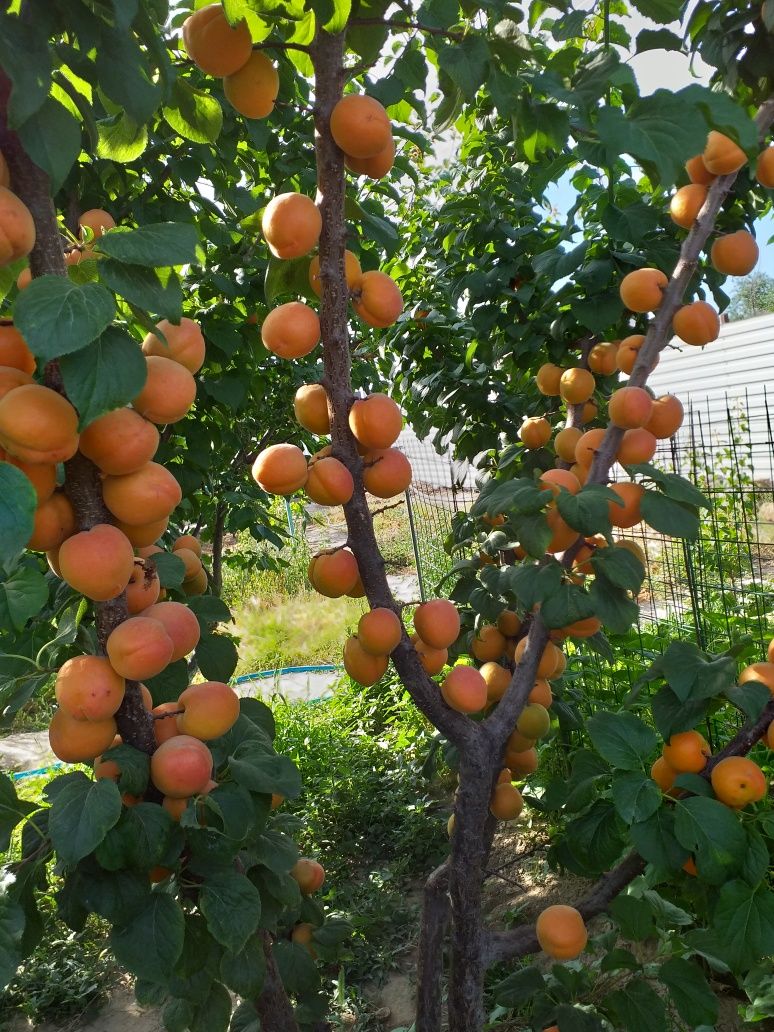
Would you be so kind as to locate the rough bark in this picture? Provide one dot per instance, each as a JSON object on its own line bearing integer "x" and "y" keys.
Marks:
{"x": 432, "y": 932}
{"x": 216, "y": 579}
{"x": 273, "y": 1006}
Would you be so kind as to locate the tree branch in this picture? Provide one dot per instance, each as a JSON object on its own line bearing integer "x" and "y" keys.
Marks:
{"x": 409, "y": 26}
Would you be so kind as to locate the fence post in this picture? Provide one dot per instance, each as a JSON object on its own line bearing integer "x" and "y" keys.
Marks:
{"x": 415, "y": 544}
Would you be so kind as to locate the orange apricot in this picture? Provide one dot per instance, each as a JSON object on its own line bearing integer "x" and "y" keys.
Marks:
{"x": 11, "y": 378}
{"x": 41, "y": 476}
{"x": 360, "y": 126}
{"x": 309, "y": 874}
{"x": 188, "y": 541}
{"x": 377, "y": 299}
{"x": 37, "y": 424}
{"x": 697, "y": 171}
{"x": 464, "y": 690}
{"x": 557, "y": 480}
{"x": 637, "y": 445}
{"x": 643, "y": 289}
{"x": 589, "y": 413}
{"x": 497, "y": 679}
{"x": 165, "y": 721}
{"x": 379, "y": 631}
{"x": 764, "y": 170}
{"x": 634, "y": 547}
{"x": 190, "y": 561}
{"x": 352, "y": 272}
{"x": 150, "y": 493}
{"x": 566, "y": 441}
{"x": 547, "y": 379}
{"x": 437, "y": 623}
{"x": 686, "y": 752}
{"x": 737, "y": 781}
{"x": 602, "y": 357}
{"x": 535, "y": 432}
{"x": 576, "y": 385}
{"x": 88, "y": 688}
{"x": 14, "y": 351}
{"x": 663, "y": 774}
{"x": 386, "y": 472}
{"x": 119, "y": 442}
{"x": 310, "y": 406}
{"x": 180, "y": 624}
{"x": 291, "y": 225}
{"x": 169, "y": 391}
{"x": 588, "y": 445}
{"x": 143, "y": 534}
{"x": 763, "y": 672}
{"x": 735, "y": 254}
{"x": 17, "y": 228}
{"x": 253, "y": 88}
{"x": 334, "y": 573}
{"x": 509, "y": 623}
{"x": 722, "y": 156}
{"x": 214, "y": 45}
{"x": 666, "y": 417}
{"x": 197, "y": 585}
{"x": 541, "y": 693}
{"x": 184, "y": 343}
{"x": 629, "y": 407}
{"x": 534, "y": 722}
{"x": 628, "y": 350}
{"x": 376, "y": 421}
{"x": 548, "y": 661}
{"x": 376, "y": 167}
{"x": 522, "y": 763}
{"x": 79, "y": 741}
{"x": 687, "y": 203}
{"x": 629, "y": 514}
{"x": 488, "y": 643}
{"x": 561, "y": 932}
{"x": 97, "y": 562}
{"x": 143, "y": 588}
{"x": 139, "y": 647}
{"x": 562, "y": 534}
{"x": 362, "y": 666}
{"x": 585, "y": 628}
{"x": 506, "y": 803}
{"x": 697, "y": 323}
{"x": 291, "y": 330}
{"x": 432, "y": 660}
{"x": 280, "y": 469}
{"x": 181, "y": 767}
{"x": 210, "y": 709}
{"x": 329, "y": 482}
{"x": 54, "y": 522}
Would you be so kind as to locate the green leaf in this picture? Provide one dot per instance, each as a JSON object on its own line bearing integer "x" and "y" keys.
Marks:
{"x": 587, "y": 511}
{"x": 713, "y": 833}
{"x": 693, "y": 674}
{"x": 519, "y": 987}
{"x": 150, "y": 944}
{"x": 157, "y": 291}
{"x": 658, "y": 39}
{"x": 155, "y": 244}
{"x": 125, "y": 76}
{"x": 276, "y": 851}
{"x": 742, "y": 926}
{"x": 613, "y": 606}
{"x": 671, "y": 714}
{"x": 169, "y": 684}
{"x": 18, "y": 502}
{"x": 637, "y": 1008}
{"x": 12, "y": 810}
{"x": 265, "y": 772}
{"x": 633, "y": 916}
{"x": 691, "y": 994}
{"x": 178, "y": 1015}
{"x": 115, "y": 895}
{"x": 53, "y": 140}
{"x": 170, "y": 569}
{"x": 673, "y": 485}
{"x": 595, "y": 837}
{"x": 105, "y": 375}
{"x": 12, "y": 923}
{"x": 568, "y": 604}
{"x": 662, "y": 11}
{"x": 217, "y": 657}
{"x": 214, "y": 1013}
{"x": 619, "y": 567}
{"x": 297, "y": 969}
{"x": 655, "y": 841}
{"x": 751, "y": 698}
{"x": 209, "y": 609}
{"x": 244, "y": 971}
{"x": 25, "y": 57}
{"x": 82, "y": 814}
{"x": 635, "y": 796}
{"x": 245, "y": 1019}
{"x": 193, "y": 114}
{"x": 676, "y": 519}
{"x": 23, "y": 595}
{"x": 121, "y": 139}
{"x": 622, "y": 739}
{"x": 466, "y": 63}
{"x": 57, "y": 317}
{"x": 231, "y": 905}
{"x": 286, "y": 277}
{"x": 259, "y": 714}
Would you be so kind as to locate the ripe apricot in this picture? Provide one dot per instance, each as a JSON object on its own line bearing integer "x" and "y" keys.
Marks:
{"x": 360, "y": 126}
{"x": 686, "y": 752}
{"x": 589, "y": 413}
{"x": 24, "y": 278}
{"x": 11, "y": 378}
{"x": 79, "y": 741}
{"x": 721, "y": 155}
{"x": 165, "y": 721}
{"x": 280, "y": 469}
{"x": 377, "y": 299}
{"x": 386, "y": 472}
{"x": 197, "y": 585}
{"x": 735, "y": 254}
{"x": 535, "y": 432}
{"x": 690, "y": 867}
{"x": 376, "y": 167}
{"x": 562, "y": 534}
{"x": 253, "y": 88}
{"x": 144, "y": 534}
{"x": 150, "y": 493}
{"x": 433, "y": 660}
{"x": 630, "y": 407}
{"x": 522, "y": 764}
{"x": 628, "y": 514}
{"x": 534, "y": 721}
{"x": 576, "y": 385}
{"x": 636, "y": 446}
{"x": 506, "y": 803}
{"x": 214, "y": 45}
{"x": 38, "y": 425}
{"x": 169, "y": 391}
{"x": 602, "y": 358}
{"x": 184, "y": 343}
{"x": 737, "y": 781}
{"x": 763, "y": 672}
{"x": 42, "y": 477}
{"x": 642, "y": 290}
{"x": 509, "y": 623}
{"x": 329, "y": 482}
{"x": 561, "y": 932}
{"x": 17, "y": 228}
{"x": 666, "y": 417}
{"x": 557, "y": 480}
{"x": 464, "y": 690}
{"x": 548, "y": 661}
{"x": 437, "y": 623}
{"x": 309, "y": 874}
{"x": 335, "y": 573}
{"x": 181, "y": 767}
{"x": 291, "y": 330}
{"x": 634, "y": 547}
{"x": 143, "y": 588}
{"x": 180, "y": 624}
{"x": 663, "y": 774}
{"x": 119, "y": 442}
{"x": 190, "y": 542}
{"x": 175, "y": 807}
{"x": 379, "y": 631}
{"x": 764, "y": 170}
{"x": 697, "y": 171}
{"x": 375, "y": 421}
{"x": 190, "y": 561}
{"x": 585, "y": 628}
{"x": 687, "y": 203}
{"x": 291, "y": 225}
{"x": 565, "y": 442}
{"x": 488, "y": 643}
{"x": 210, "y": 709}
{"x": 541, "y": 693}
{"x": 547, "y": 379}
{"x": 352, "y": 272}
{"x": 588, "y": 445}
{"x": 497, "y": 679}
{"x": 14, "y": 351}
{"x": 97, "y": 220}
{"x": 54, "y": 522}
{"x": 303, "y": 935}
{"x": 88, "y": 688}
{"x": 697, "y": 323}
{"x": 139, "y": 647}
{"x": 310, "y": 406}
{"x": 97, "y": 562}
{"x": 628, "y": 350}
{"x": 361, "y": 666}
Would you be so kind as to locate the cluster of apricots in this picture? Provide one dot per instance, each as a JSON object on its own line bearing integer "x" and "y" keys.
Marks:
{"x": 309, "y": 875}
{"x": 250, "y": 80}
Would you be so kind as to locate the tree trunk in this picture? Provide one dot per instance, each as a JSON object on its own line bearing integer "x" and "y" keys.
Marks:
{"x": 432, "y": 932}
{"x": 216, "y": 581}
{"x": 273, "y": 1006}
